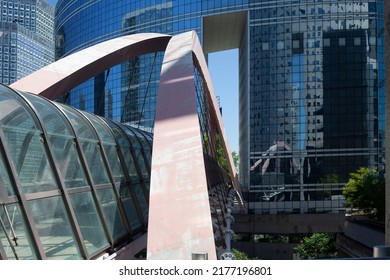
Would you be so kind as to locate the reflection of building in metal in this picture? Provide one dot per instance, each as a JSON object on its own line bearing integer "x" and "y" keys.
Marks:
{"x": 76, "y": 186}
{"x": 276, "y": 165}
{"x": 311, "y": 75}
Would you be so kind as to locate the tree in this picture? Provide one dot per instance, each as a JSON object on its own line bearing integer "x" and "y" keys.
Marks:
{"x": 236, "y": 160}
{"x": 220, "y": 154}
{"x": 317, "y": 246}
{"x": 240, "y": 255}
{"x": 365, "y": 190}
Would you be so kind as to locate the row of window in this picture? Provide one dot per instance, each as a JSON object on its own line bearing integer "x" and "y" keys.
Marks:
{"x": 18, "y": 6}
{"x": 18, "y": 14}
{"x": 311, "y": 43}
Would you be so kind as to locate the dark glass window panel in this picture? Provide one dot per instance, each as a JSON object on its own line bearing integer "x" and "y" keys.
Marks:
{"x": 95, "y": 162}
{"x": 31, "y": 160}
{"x": 89, "y": 221}
{"x": 18, "y": 244}
{"x": 128, "y": 204}
{"x": 5, "y": 181}
{"x": 54, "y": 228}
{"x": 111, "y": 213}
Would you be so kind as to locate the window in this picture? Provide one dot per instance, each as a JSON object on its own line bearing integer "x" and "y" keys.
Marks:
{"x": 326, "y": 42}
{"x": 55, "y": 231}
{"x": 357, "y": 41}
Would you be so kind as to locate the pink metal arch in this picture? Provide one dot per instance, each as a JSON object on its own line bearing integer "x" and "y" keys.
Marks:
{"x": 63, "y": 75}
{"x": 179, "y": 212}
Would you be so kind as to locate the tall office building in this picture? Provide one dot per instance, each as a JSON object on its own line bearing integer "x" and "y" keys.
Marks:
{"x": 26, "y": 38}
{"x": 311, "y": 85}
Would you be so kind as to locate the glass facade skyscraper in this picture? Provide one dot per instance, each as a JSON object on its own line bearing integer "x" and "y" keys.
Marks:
{"x": 311, "y": 85}
{"x": 26, "y": 40}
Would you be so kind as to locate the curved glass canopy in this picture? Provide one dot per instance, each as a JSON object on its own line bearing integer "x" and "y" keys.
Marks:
{"x": 72, "y": 185}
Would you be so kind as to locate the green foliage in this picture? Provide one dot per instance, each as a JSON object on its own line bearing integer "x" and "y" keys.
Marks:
{"x": 324, "y": 192}
{"x": 220, "y": 154}
{"x": 317, "y": 246}
{"x": 366, "y": 190}
{"x": 236, "y": 160}
{"x": 240, "y": 255}
{"x": 331, "y": 178}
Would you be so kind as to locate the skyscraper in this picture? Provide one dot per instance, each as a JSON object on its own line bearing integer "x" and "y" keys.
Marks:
{"x": 26, "y": 40}
{"x": 311, "y": 85}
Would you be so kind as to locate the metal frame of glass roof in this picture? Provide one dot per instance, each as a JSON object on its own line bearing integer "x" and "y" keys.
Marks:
{"x": 72, "y": 185}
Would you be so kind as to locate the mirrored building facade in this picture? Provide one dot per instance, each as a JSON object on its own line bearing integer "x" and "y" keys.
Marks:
{"x": 311, "y": 85}
{"x": 72, "y": 185}
{"x": 26, "y": 40}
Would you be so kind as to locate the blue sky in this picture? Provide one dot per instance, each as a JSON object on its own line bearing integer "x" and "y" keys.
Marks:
{"x": 53, "y": 2}
{"x": 223, "y": 68}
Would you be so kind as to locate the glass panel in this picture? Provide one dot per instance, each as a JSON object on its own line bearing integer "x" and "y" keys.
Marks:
{"x": 81, "y": 126}
{"x": 89, "y": 221}
{"x": 30, "y": 159}
{"x": 69, "y": 163}
{"x": 61, "y": 138}
{"x": 25, "y": 144}
{"x": 147, "y": 185}
{"x": 128, "y": 203}
{"x": 114, "y": 163}
{"x": 52, "y": 119}
{"x": 141, "y": 163}
{"x": 125, "y": 147}
{"x": 16, "y": 229}
{"x": 53, "y": 225}
{"x": 95, "y": 161}
{"x": 137, "y": 152}
{"x": 4, "y": 177}
{"x": 111, "y": 213}
{"x": 141, "y": 200}
{"x": 103, "y": 131}
{"x": 147, "y": 150}
{"x": 13, "y": 113}
{"x": 130, "y": 164}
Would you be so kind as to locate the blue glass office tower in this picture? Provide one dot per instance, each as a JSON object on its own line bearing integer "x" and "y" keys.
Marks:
{"x": 311, "y": 85}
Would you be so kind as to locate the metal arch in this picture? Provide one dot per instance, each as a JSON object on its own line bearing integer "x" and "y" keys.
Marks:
{"x": 63, "y": 75}
{"x": 178, "y": 176}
